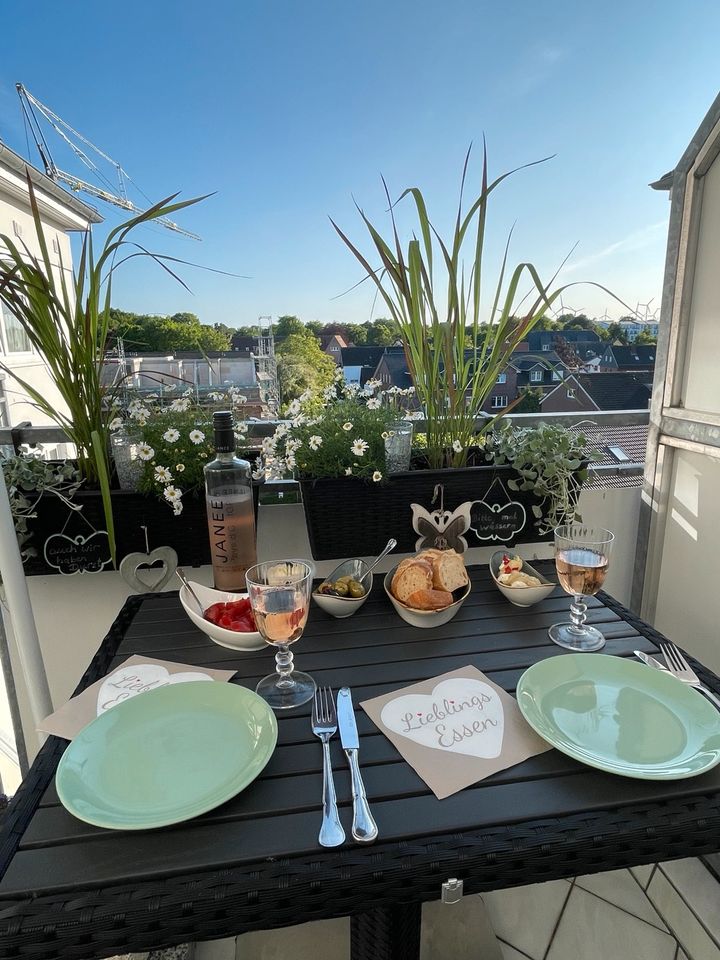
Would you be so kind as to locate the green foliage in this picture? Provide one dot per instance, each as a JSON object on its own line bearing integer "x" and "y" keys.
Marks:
{"x": 549, "y": 459}
{"x": 433, "y": 313}
{"x": 27, "y": 478}
{"x": 303, "y": 367}
{"x": 182, "y": 331}
{"x": 645, "y": 339}
{"x": 68, "y": 324}
{"x": 288, "y": 326}
{"x": 530, "y": 400}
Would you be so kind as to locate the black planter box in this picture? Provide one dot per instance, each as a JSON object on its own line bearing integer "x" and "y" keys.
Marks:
{"x": 347, "y": 516}
{"x": 187, "y": 534}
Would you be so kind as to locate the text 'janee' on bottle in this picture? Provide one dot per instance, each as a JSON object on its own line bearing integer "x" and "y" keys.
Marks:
{"x": 230, "y": 511}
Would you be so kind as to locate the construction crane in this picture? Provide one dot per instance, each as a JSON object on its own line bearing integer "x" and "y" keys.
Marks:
{"x": 30, "y": 105}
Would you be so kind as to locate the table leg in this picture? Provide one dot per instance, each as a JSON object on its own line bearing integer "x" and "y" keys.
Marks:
{"x": 387, "y": 933}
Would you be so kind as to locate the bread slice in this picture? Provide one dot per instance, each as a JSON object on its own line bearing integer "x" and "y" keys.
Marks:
{"x": 429, "y": 600}
{"x": 411, "y": 575}
{"x": 449, "y": 571}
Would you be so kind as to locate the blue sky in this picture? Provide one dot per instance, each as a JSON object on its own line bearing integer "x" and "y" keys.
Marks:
{"x": 287, "y": 110}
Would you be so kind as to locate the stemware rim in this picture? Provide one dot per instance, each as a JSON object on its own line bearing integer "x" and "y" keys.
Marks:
{"x": 609, "y": 538}
{"x": 308, "y": 575}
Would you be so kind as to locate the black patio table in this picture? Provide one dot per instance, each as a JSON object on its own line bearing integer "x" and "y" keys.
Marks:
{"x": 75, "y": 891}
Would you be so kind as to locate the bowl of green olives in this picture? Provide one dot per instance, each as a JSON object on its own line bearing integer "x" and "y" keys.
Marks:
{"x": 345, "y": 590}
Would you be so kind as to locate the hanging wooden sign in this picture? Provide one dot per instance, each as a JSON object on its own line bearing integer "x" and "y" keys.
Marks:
{"x": 71, "y": 555}
{"x": 497, "y": 517}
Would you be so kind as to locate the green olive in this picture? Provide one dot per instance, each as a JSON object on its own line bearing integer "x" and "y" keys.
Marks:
{"x": 345, "y": 579}
{"x": 356, "y": 589}
{"x": 341, "y": 588}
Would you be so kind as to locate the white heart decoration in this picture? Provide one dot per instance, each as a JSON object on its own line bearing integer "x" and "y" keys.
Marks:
{"x": 460, "y": 716}
{"x": 131, "y": 564}
{"x": 128, "y": 682}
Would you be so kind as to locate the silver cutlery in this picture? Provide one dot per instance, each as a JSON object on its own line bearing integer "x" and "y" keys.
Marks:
{"x": 324, "y": 726}
{"x": 679, "y": 667}
{"x": 650, "y": 661}
{"x": 364, "y": 828}
{"x": 389, "y": 547}
{"x": 186, "y": 583}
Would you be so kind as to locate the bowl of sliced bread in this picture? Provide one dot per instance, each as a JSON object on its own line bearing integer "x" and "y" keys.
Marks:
{"x": 516, "y": 580}
{"x": 428, "y": 589}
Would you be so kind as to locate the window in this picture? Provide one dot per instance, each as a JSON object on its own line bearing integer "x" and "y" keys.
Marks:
{"x": 557, "y": 375}
{"x": 502, "y": 378}
{"x": 14, "y": 338}
{"x": 498, "y": 402}
{"x": 571, "y": 393}
{"x": 546, "y": 348}
{"x": 4, "y": 417}
{"x": 536, "y": 376}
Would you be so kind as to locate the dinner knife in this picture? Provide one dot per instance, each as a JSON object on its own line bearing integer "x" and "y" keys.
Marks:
{"x": 650, "y": 661}
{"x": 364, "y": 828}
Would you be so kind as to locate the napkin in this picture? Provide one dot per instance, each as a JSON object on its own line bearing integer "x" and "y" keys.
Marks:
{"x": 455, "y": 729}
{"x": 134, "y": 676}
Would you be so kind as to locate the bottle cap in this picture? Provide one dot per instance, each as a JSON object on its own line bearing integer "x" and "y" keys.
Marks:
{"x": 223, "y": 428}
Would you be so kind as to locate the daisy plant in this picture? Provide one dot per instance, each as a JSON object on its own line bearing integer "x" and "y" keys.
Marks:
{"x": 175, "y": 440}
{"x": 456, "y": 344}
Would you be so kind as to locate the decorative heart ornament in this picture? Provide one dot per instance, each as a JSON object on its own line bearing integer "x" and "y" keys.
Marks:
{"x": 131, "y": 564}
{"x": 461, "y": 715}
{"x": 128, "y": 682}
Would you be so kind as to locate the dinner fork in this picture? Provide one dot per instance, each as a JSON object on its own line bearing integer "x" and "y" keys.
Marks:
{"x": 681, "y": 669}
{"x": 324, "y": 726}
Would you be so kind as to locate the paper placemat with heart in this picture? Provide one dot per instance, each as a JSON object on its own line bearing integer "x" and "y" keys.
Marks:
{"x": 135, "y": 676}
{"x": 455, "y": 729}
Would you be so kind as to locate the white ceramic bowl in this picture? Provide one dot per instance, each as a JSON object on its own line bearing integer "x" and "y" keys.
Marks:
{"x": 520, "y": 596}
{"x": 207, "y": 596}
{"x": 342, "y": 607}
{"x": 424, "y": 618}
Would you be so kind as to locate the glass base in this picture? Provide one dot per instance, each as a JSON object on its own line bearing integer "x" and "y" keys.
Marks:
{"x": 283, "y": 694}
{"x": 581, "y": 640}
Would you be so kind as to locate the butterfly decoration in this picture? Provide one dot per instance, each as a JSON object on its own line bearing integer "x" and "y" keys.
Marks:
{"x": 441, "y": 529}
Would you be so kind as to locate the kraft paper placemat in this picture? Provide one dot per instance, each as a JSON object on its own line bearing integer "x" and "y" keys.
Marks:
{"x": 455, "y": 729}
{"x": 133, "y": 677}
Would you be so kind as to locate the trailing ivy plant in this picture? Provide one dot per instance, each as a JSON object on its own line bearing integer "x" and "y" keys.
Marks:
{"x": 551, "y": 462}
{"x": 27, "y": 478}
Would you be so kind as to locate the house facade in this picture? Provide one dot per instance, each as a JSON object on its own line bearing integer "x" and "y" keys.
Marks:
{"x": 61, "y": 215}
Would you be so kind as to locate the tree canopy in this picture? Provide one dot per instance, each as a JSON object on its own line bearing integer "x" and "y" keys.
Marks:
{"x": 302, "y": 366}
{"x": 182, "y": 331}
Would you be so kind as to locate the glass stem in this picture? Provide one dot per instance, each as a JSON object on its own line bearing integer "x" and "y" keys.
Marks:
{"x": 578, "y": 614}
{"x": 284, "y": 665}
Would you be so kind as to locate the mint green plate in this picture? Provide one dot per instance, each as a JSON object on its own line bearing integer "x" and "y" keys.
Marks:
{"x": 166, "y": 755}
{"x": 621, "y": 716}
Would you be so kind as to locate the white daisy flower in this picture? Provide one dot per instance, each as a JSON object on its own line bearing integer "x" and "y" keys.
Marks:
{"x": 373, "y": 403}
{"x": 315, "y": 442}
{"x": 140, "y": 414}
{"x": 215, "y": 396}
{"x": 457, "y": 446}
{"x": 347, "y": 426}
{"x": 196, "y": 436}
{"x": 179, "y": 467}
{"x": 172, "y": 494}
{"x": 348, "y": 471}
{"x": 290, "y": 461}
{"x": 145, "y": 451}
{"x": 163, "y": 475}
{"x": 294, "y": 408}
{"x": 115, "y": 424}
{"x": 180, "y": 405}
{"x": 305, "y": 396}
{"x": 240, "y": 398}
{"x": 358, "y": 447}
{"x": 258, "y": 473}
{"x": 268, "y": 444}
{"x": 171, "y": 435}
{"x": 189, "y": 392}
{"x": 177, "y": 507}
{"x": 377, "y": 476}
{"x": 293, "y": 445}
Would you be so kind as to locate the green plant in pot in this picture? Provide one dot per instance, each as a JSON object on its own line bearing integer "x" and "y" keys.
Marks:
{"x": 68, "y": 322}
{"x": 433, "y": 288}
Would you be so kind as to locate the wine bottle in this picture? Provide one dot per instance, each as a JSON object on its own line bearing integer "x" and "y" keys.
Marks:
{"x": 230, "y": 511}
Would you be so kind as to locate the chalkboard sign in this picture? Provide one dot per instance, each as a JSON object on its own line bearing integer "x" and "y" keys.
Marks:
{"x": 70, "y": 555}
{"x": 496, "y": 516}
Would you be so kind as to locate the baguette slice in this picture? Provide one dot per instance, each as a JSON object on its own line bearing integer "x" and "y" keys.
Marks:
{"x": 449, "y": 571}
{"x": 429, "y": 600}
{"x": 411, "y": 577}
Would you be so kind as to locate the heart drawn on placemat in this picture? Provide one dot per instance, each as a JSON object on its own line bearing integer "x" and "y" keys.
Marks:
{"x": 460, "y": 716}
{"x": 134, "y": 569}
{"x": 128, "y": 682}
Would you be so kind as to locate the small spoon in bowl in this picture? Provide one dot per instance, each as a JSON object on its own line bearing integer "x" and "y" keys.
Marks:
{"x": 389, "y": 547}
{"x": 186, "y": 583}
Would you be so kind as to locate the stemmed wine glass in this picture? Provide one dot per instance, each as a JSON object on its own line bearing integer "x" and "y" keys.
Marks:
{"x": 582, "y": 555}
{"x": 279, "y": 592}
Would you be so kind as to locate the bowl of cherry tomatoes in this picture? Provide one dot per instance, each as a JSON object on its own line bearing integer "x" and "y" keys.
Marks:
{"x": 227, "y": 618}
